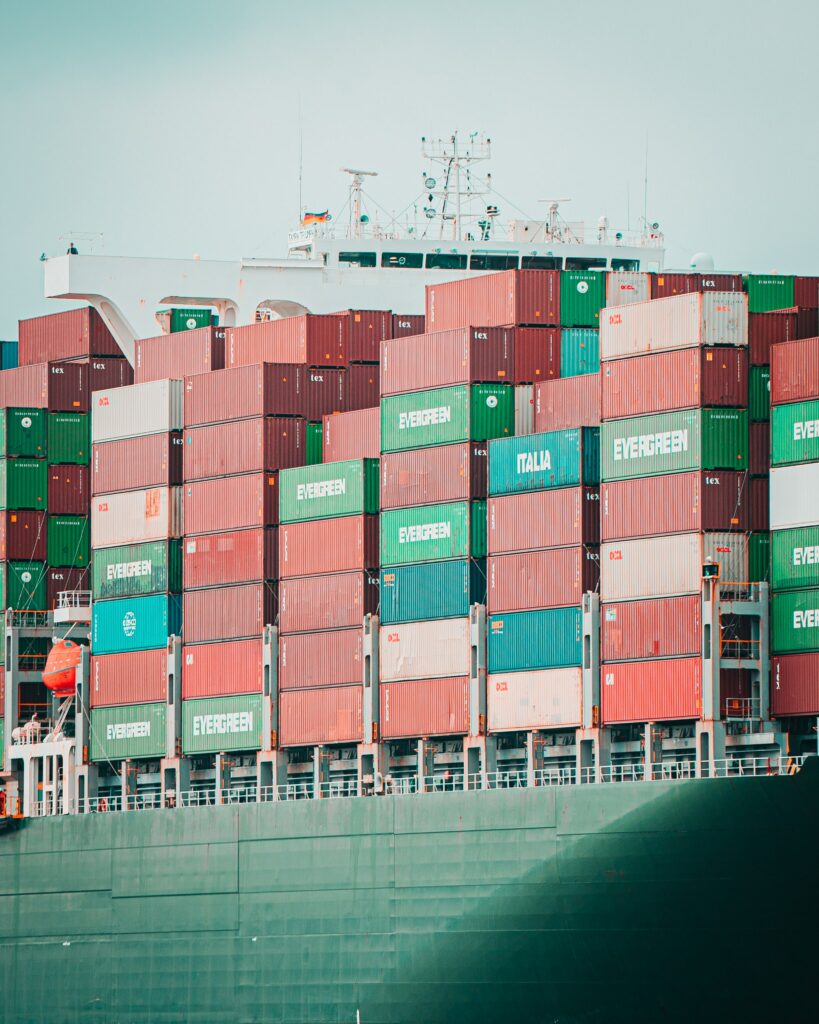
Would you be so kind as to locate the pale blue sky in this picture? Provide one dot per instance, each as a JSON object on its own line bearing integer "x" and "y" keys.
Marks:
{"x": 172, "y": 127}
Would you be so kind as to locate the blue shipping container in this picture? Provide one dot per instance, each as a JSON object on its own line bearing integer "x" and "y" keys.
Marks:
{"x": 8, "y": 355}
{"x": 552, "y": 638}
{"x": 579, "y": 351}
{"x": 135, "y": 623}
{"x": 432, "y": 590}
{"x": 536, "y": 462}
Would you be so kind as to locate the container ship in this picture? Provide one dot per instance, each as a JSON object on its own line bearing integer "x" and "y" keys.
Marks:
{"x": 423, "y": 627}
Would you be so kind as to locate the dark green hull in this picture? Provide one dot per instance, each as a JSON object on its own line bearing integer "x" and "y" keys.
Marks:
{"x": 685, "y": 901}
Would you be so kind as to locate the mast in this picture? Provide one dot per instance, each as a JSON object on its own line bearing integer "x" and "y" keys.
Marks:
{"x": 452, "y": 190}
{"x": 356, "y": 188}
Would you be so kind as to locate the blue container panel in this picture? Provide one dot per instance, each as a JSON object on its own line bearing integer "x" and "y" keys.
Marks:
{"x": 551, "y": 638}
{"x": 135, "y": 624}
{"x": 431, "y": 590}
{"x": 579, "y": 351}
{"x": 538, "y": 462}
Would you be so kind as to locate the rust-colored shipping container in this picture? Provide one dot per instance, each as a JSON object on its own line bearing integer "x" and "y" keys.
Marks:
{"x": 663, "y": 285}
{"x": 759, "y": 448}
{"x": 366, "y": 329}
{"x": 104, "y": 374}
{"x": 222, "y": 559}
{"x": 139, "y": 677}
{"x": 312, "y": 340}
{"x": 552, "y": 578}
{"x": 766, "y": 329}
{"x": 58, "y": 387}
{"x": 228, "y": 613}
{"x": 794, "y": 371}
{"x": 759, "y": 511}
{"x": 424, "y": 708}
{"x": 23, "y": 536}
{"x": 537, "y": 354}
{"x": 134, "y": 463}
{"x": 674, "y": 503}
{"x": 466, "y": 355}
{"x": 222, "y": 669}
{"x": 429, "y": 476}
{"x": 231, "y": 503}
{"x": 568, "y": 402}
{"x": 243, "y": 446}
{"x": 682, "y": 379}
{"x": 795, "y": 684}
{"x": 361, "y": 388}
{"x": 566, "y": 516}
{"x": 352, "y": 435}
{"x": 512, "y": 297}
{"x": 61, "y": 581}
{"x": 665, "y": 690}
{"x": 69, "y": 335}
{"x": 69, "y": 491}
{"x": 639, "y": 630}
{"x": 807, "y": 322}
{"x": 179, "y": 354}
{"x": 332, "y": 658}
{"x": 326, "y": 546}
{"x": 332, "y": 601}
{"x": 806, "y": 292}
{"x": 330, "y": 714}
{"x": 406, "y": 324}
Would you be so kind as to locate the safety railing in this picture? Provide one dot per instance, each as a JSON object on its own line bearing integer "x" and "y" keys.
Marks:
{"x": 740, "y": 650}
{"x": 74, "y": 599}
{"x": 740, "y": 709}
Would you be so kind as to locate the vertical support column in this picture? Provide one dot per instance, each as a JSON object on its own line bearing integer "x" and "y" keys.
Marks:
{"x": 710, "y": 731}
{"x": 370, "y": 767}
{"x": 426, "y": 764}
{"x": 764, "y": 654}
{"x": 224, "y": 764}
{"x": 11, "y": 711}
{"x": 477, "y": 670}
{"x": 321, "y": 771}
{"x": 652, "y": 749}
{"x": 82, "y": 712}
{"x": 591, "y": 661}
{"x": 175, "y": 770}
{"x": 593, "y": 753}
{"x": 271, "y": 762}
{"x": 129, "y": 785}
{"x": 535, "y": 757}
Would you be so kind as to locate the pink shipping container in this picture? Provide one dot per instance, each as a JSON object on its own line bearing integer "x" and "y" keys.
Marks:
{"x": 153, "y": 460}
{"x": 218, "y": 670}
{"x": 567, "y": 403}
{"x": 426, "y": 476}
{"x": 651, "y": 691}
{"x": 552, "y": 578}
{"x": 759, "y": 512}
{"x": 759, "y": 448}
{"x": 675, "y": 503}
{"x": 425, "y": 650}
{"x": 222, "y": 559}
{"x": 131, "y": 517}
{"x": 311, "y": 339}
{"x": 663, "y": 285}
{"x": 228, "y": 613}
{"x": 61, "y": 581}
{"x": 511, "y": 297}
{"x": 562, "y": 517}
{"x": 537, "y": 354}
{"x": 766, "y": 329}
{"x": 331, "y": 658}
{"x": 68, "y": 335}
{"x": 424, "y": 708}
{"x": 639, "y": 630}
{"x": 794, "y": 371}
{"x": 328, "y": 545}
{"x": 623, "y": 287}
{"x": 546, "y": 699}
{"x": 331, "y": 714}
{"x": 467, "y": 355}
{"x": 180, "y": 354}
{"x": 795, "y": 684}
{"x": 352, "y": 435}
{"x": 683, "y": 379}
{"x": 69, "y": 491}
{"x": 334, "y": 601}
{"x": 366, "y": 329}
{"x": 139, "y": 677}
{"x": 404, "y": 324}
{"x": 231, "y": 503}
{"x": 361, "y": 384}
{"x": 23, "y": 536}
{"x": 104, "y": 374}
{"x": 243, "y": 446}
{"x": 806, "y": 292}
{"x": 58, "y": 387}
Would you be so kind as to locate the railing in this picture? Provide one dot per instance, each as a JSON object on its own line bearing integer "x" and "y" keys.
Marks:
{"x": 27, "y": 618}
{"x": 74, "y": 599}
{"x": 739, "y": 650}
{"x": 741, "y": 709}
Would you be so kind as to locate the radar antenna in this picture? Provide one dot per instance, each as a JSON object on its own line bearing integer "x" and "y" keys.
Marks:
{"x": 458, "y": 182}
{"x": 553, "y": 229}
{"x": 356, "y": 187}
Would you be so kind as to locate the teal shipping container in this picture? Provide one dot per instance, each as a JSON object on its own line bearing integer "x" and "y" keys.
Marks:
{"x": 537, "y": 462}
{"x": 427, "y": 533}
{"x": 551, "y": 638}
{"x": 137, "y": 570}
{"x": 126, "y": 731}
{"x": 579, "y": 351}
{"x": 432, "y": 590}
{"x": 135, "y": 624}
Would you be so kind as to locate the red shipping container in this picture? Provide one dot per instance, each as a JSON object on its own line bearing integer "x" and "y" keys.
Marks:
{"x": 231, "y": 503}
{"x": 717, "y": 500}
{"x": 552, "y": 578}
{"x": 681, "y": 379}
{"x": 366, "y": 329}
{"x": 62, "y": 581}
{"x": 23, "y": 536}
{"x": 668, "y": 627}
{"x": 806, "y": 292}
{"x": 134, "y": 463}
{"x": 58, "y": 387}
{"x": 352, "y": 435}
{"x": 69, "y": 491}
{"x": 663, "y": 285}
{"x": 467, "y": 355}
{"x": 568, "y": 402}
{"x": 104, "y": 374}
{"x": 405, "y": 324}
{"x": 428, "y": 476}
{"x": 311, "y": 339}
{"x": 68, "y": 335}
{"x": 664, "y": 690}
{"x": 180, "y": 354}
{"x": 807, "y": 322}
{"x": 424, "y": 707}
{"x": 759, "y": 513}
{"x": 766, "y": 329}
{"x": 564, "y": 517}
{"x": 794, "y": 371}
{"x": 139, "y": 677}
{"x": 537, "y": 354}
{"x": 218, "y": 670}
{"x": 759, "y": 448}
{"x": 332, "y": 658}
{"x": 331, "y": 714}
{"x": 222, "y": 559}
{"x": 795, "y": 684}
{"x": 244, "y": 446}
{"x": 2, "y": 687}
{"x": 328, "y": 545}
{"x": 228, "y": 613}
{"x": 361, "y": 388}
{"x": 511, "y": 297}
{"x": 334, "y": 601}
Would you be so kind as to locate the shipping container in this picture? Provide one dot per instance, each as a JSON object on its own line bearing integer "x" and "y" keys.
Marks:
{"x": 231, "y": 503}
{"x": 664, "y": 285}
{"x": 176, "y": 320}
{"x": 425, "y": 476}
{"x": 759, "y": 448}
{"x": 447, "y": 416}
{"x": 795, "y": 685}
{"x": 8, "y": 355}
{"x": 69, "y": 490}
{"x": 431, "y": 590}
{"x": 23, "y": 585}
{"x": 424, "y": 708}
{"x": 23, "y": 536}
{"x": 228, "y": 613}
{"x": 238, "y": 556}
{"x": 524, "y": 409}
{"x": 579, "y": 351}
{"x": 795, "y": 371}
{"x": 196, "y": 350}
{"x": 152, "y": 408}
{"x": 425, "y": 533}
{"x": 425, "y": 650}
{"x": 133, "y": 517}
{"x": 244, "y": 446}
{"x": 537, "y": 354}
{"x": 404, "y": 324}
{"x": 328, "y": 490}
{"x": 535, "y": 462}
{"x": 62, "y": 581}
{"x": 550, "y": 698}
{"x": 23, "y": 484}
{"x": 795, "y": 621}
{"x": 759, "y": 393}
{"x": 541, "y": 579}
{"x": 366, "y": 330}
{"x": 361, "y": 387}
{"x": 23, "y": 433}
{"x": 549, "y": 638}
{"x": 662, "y": 628}
{"x": 69, "y": 438}
{"x": 222, "y": 724}
{"x": 330, "y": 714}
{"x": 669, "y": 566}
{"x": 352, "y": 435}
{"x": 311, "y": 339}
{"x": 58, "y": 387}
{"x": 136, "y": 570}
{"x": 68, "y": 335}
{"x": 567, "y": 403}
{"x": 795, "y": 558}
{"x": 222, "y": 669}
{"x": 467, "y": 355}
{"x": 105, "y": 374}
{"x": 334, "y": 657}
{"x": 543, "y": 519}
{"x": 510, "y": 297}
{"x": 128, "y": 731}
{"x": 333, "y": 601}
{"x": 582, "y": 296}
{"x": 759, "y": 557}
{"x": 328, "y": 545}
{"x": 651, "y": 691}
{"x": 794, "y": 496}
{"x": 69, "y": 541}
{"x": 759, "y": 505}
{"x": 139, "y": 677}
{"x": 626, "y": 286}
{"x": 313, "y": 443}
{"x": 795, "y": 432}
{"x": 135, "y": 623}
{"x": 769, "y": 291}
{"x": 767, "y": 329}
{"x": 136, "y": 463}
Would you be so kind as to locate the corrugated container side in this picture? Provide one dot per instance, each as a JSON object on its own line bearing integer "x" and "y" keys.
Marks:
{"x": 238, "y": 556}
{"x": 69, "y": 438}
{"x": 541, "y": 579}
{"x": 543, "y": 519}
{"x": 759, "y": 504}
{"x": 795, "y": 621}
{"x": 328, "y": 545}
{"x": 134, "y": 463}
{"x": 652, "y": 691}
{"x": 425, "y": 650}
{"x": 60, "y": 581}
{"x": 759, "y": 557}
{"x": 795, "y": 558}
{"x": 795, "y": 371}
{"x": 312, "y": 339}
{"x": 244, "y": 446}
{"x": 104, "y": 374}
{"x": 537, "y": 354}
{"x": 469, "y": 355}
{"x": 67, "y": 335}
{"x": 23, "y": 585}
{"x": 582, "y": 296}
{"x": 133, "y": 517}
{"x": 352, "y": 435}
{"x": 333, "y": 601}
{"x": 547, "y": 699}
{"x": 152, "y": 408}
{"x": 431, "y": 590}
{"x": 795, "y": 685}
{"x": 228, "y": 613}
{"x": 567, "y": 403}
{"x": 766, "y": 329}
{"x": 421, "y": 419}
{"x": 806, "y": 292}
{"x": 759, "y": 448}
{"x": 664, "y": 285}
{"x": 424, "y": 708}
{"x": 361, "y": 389}
{"x": 425, "y": 476}
{"x": 23, "y": 535}
{"x": 139, "y": 677}
{"x": 231, "y": 503}
{"x": 639, "y": 630}
{"x": 626, "y": 286}
{"x": 135, "y": 623}
{"x": 23, "y": 484}
{"x": 366, "y": 328}
{"x": 328, "y": 490}
{"x": 759, "y": 393}
{"x": 137, "y": 569}
{"x": 126, "y": 731}
{"x": 68, "y": 543}
{"x": 510, "y": 297}
{"x": 331, "y": 658}
{"x": 179, "y": 355}
{"x": 404, "y": 324}
{"x": 424, "y": 533}
{"x": 216, "y": 724}
{"x": 579, "y": 351}
{"x": 769, "y": 291}
{"x": 560, "y": 458}
{"x": 550, "y": 638}
{"x": 58, "y": 387}
{"x": 222, "y": 669}
{"x": 68, "y": 490}
{"x": 330, "y": 714}
{"x": 795, "y": 432}
{"x": 794, "y": 495}
{"x": 524, "y": 409}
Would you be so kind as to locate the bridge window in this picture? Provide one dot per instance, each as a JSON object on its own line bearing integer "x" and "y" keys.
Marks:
{"x": 445, "y": 261}
{"x": 625, "y": 264}
{"x": 585, "y": 263}
{"x": 541, "y": 263}
{"x": 357, "y": 259}
{"x": 413, "y": 260}
{"x": 486, "y": 262}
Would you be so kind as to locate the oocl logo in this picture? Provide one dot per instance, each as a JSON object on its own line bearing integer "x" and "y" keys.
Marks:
{"x": 129, "y": 624}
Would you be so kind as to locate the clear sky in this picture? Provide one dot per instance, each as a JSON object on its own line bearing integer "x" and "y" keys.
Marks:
{"x": 172, "y": 127}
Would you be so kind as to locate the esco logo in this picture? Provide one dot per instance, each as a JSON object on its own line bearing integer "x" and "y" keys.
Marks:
{"x": 492, "y": 401}
{"x": 129, "y": 624}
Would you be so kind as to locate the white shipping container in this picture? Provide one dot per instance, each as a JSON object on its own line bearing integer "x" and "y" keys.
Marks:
{"x": 794, "y": 496}
{"x": 679, "y": 321}
{"x": 524, "y": 409}
{"x": 151, "y": 408}
{"x": 548, "y": 699}
{"x": 668, "y": 566}
{"x": 424, "y": 650}
{"x": 624, "y": 287}
{"x": 131, "y": 517}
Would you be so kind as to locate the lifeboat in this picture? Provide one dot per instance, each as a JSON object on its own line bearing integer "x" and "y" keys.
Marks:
{"x": 59, "y": 674}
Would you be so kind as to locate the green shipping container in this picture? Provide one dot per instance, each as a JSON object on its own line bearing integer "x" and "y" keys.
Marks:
{"x": 423, "y": 419}
{"x": 537, "y": 462}
{"x": 759, "y": 394}
{"x": 137, "y": 570}
{"x": 674, "y": 442}
{"x": 769, "y": 291}
{"x": 23, "y": 585}
{"x": 190, "y": 319}
{"x": 68, "y": 541}
{"x": 795, "y": 558}
{"x": 328, "y": 490}
{"x": 520, "y": 641}
{"x": 431, "y": 590}
{"x": 795, "y": 621}
{"x": 427, "y": 533}
{"x": 126, "y": 731}
{"x": 23, "y": 484}
{"x": 759, "y": 557}
{"x": 313, "y": 443}
{"x": 579, "y": 351}
{"x": 795, "y": 433}
{"x": 135, "y": 623}
{"x": 582, "y": 296}
{"x": 69, "y": 438}
{"x": 218, "y": 724}
{"x": 23, "y": 432}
